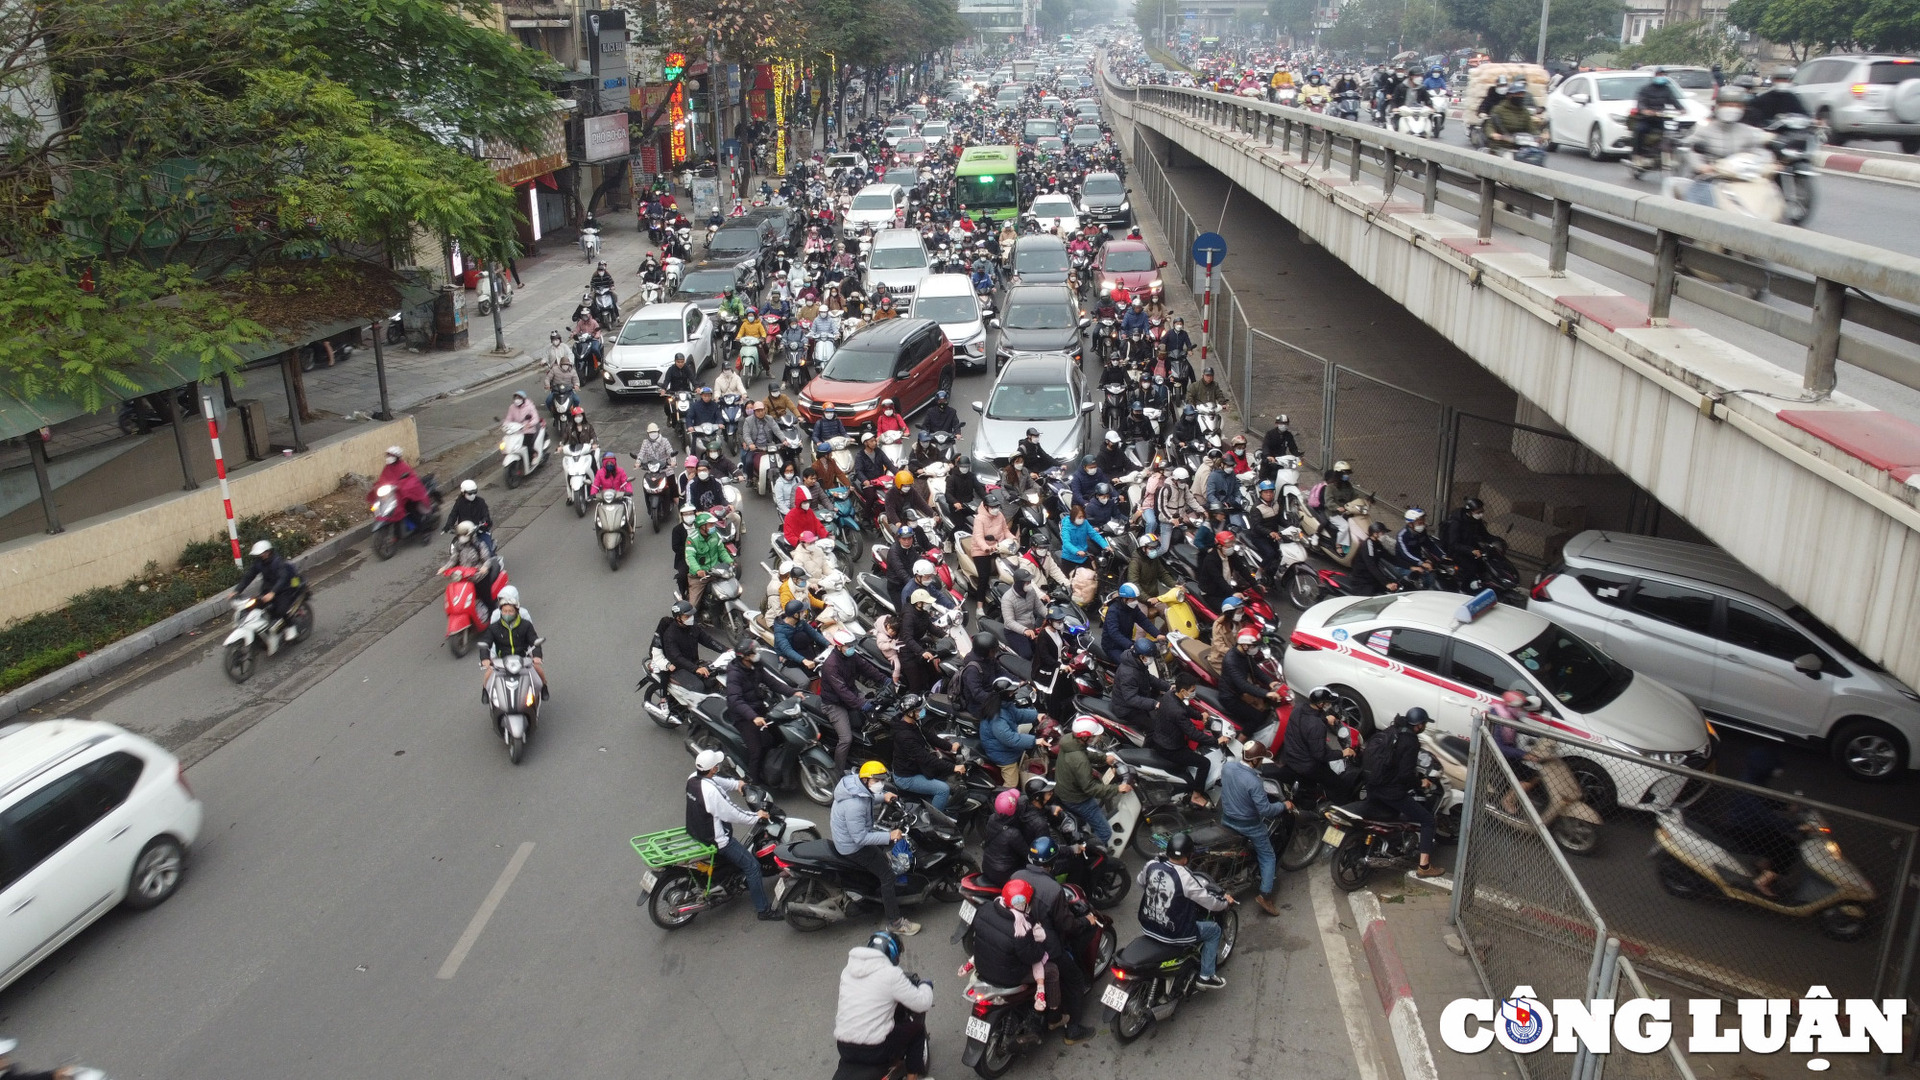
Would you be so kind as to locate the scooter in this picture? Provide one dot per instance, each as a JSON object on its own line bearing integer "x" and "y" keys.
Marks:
{"x": 664, "y": 700}
{"x": 501, "y": 287}
{"x": 750, "y": 356}
{"x": 613, "y": 524}
{"x": 893, "y": 447}
{"x": 467, "y": 614}
{"x": 513, "y": 698}
{"x": 252, "y": 633}
{"x": 590, "y": 243}
{"x": 1151, "y": 979}
{"x": 1558, "y": 797}
{"x": 1693, "y": 863}
{"x": 393, "y": 524}
{"x": 517, "y": 459}
{"x": 578, "y": 461}
{"x": 1363, "y": 845}
{"x": 787, "y": 449}
{"x": 656, "y": 485}
{"x": 1007, "y": 1020}
{"x": 1415, "y": 120}
{"x": 818, "y": 888}
{"x": 683, "y": 878}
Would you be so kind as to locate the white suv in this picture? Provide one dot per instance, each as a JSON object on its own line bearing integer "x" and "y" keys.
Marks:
{"x": 1868, "y": 97}
{"x": 1695, "y": 618}
{"x": 897, "y": 260}
{"x": 91, "y": 816}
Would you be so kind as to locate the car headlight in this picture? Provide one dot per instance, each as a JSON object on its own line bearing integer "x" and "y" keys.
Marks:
{"x": 870, "y": 403}
{"x": 1125, "y": 205}
{"x": 1154, "y": 284}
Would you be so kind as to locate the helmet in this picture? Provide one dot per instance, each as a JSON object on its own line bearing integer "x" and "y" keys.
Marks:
{"x": 681, "y": 609}
{"x": 1378, "y": 528}
{"x": 1086, "y": 728}
{"x": 1143, "y": 646}
{"x": 1414, "y": 717}
{"x": 1033, "y": 433}
{"x": 794, "y": 608}
{"x": 1017, "y": 895}
{"x": 1180, "y": 846}
{"x": 1103, "y": 488}
{"x": 885, "y": 943}
{"x": 1266, "y": 485}
{"x": 468, "y": 487}
{"x": 1181, "y": 473}
{"x": 1129, "y": 591}
{"x": 708, "y": 760}
{"x": 823, "y": 448}
{"x": 872, "y": 769}
{"x": 1342, "y": 466}
{"x": 922, "y": 567}
{"x": 1230, "y": 603}
{"x": 1473, "y": 506}
{"x": 909, "y": 704}
{"x": 1087, "y": 460}
{"x": 1414, "y": 513}
{"x": 263, "y": 547}
{"x": 1320, "y": 695}
{"x": 464, "y": 530}
{"x": 1223, "y": 537}
{"x": 1113, "y": 437}
{"x": 1006, "y": 803}
{"x": 509, "y": 595}
{"x": 984, "y": 642}
{"x": 1730, "y": 95}
{"x": 1189, "y": 411}
{"x": 1037, "y": 786}
{"x": 903, "y": 478}
{"x": 691, "y": 461}
{"x": 939, "y": 395}
{"x": 1041, "y": 852}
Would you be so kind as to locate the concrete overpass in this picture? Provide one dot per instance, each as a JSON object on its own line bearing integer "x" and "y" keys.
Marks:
{"x": 1817, "y": 491}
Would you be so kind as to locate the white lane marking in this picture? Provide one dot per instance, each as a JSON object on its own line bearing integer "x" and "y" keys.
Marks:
{"x": 479, "y": 923}
{"x": 1346, "y": 984}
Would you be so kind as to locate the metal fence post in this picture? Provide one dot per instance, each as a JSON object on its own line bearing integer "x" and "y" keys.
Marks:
{"x": 1666, "y": 255}
{"x": 1461, "y": 883}
{"x": 1893, "y": 920}
{"x": 1557, "y": 247}
{"x": 1246, "y": 379}
{"x": 1586, "y": 1063}
{"x": 1329, "y": 400}
{"x": 1429, "y": 187}
{"x": 1389, "y": 172}
{"x": 1829, "y": 309}
{"x": 1485, "y": 227}
{"x": 1353, "y": 160}
{"x": 1449, "y": 450}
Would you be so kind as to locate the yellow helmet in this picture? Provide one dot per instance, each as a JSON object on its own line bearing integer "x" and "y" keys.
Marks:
{"x": 872, "y": 769}
{"x": 903, "y": 478}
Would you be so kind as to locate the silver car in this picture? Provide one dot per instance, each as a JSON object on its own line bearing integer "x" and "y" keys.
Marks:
{"x": 1696, "y": 619}
{"x": 1042, "y": 393}
{"x": 1869, "y": 97}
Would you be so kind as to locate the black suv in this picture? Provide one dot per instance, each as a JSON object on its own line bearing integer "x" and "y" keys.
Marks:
{"x": 1103, "y": 200}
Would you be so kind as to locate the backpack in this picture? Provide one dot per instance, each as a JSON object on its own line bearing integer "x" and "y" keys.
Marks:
{"x": 1376, "y": 761}
{"x": 1315, "y": 493}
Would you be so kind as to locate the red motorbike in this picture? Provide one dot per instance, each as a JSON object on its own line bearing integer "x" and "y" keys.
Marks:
{"x": 466, "y": 615}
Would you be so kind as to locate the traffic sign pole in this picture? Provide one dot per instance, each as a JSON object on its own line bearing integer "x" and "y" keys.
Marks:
{"x": 1209, "y": 250}
{"x": 1206, "y": 318}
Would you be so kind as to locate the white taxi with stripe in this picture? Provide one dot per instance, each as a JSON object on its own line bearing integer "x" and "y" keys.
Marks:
{"x": 1383, "y": 655}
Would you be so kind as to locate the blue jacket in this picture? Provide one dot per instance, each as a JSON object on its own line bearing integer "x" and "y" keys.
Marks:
{"x": 1077, "y": 539}
{"x": 1001, "y": 742}
{"x": 1222, "y": 484}
{"x": 1099, "y": 513}
{"x": 852, "y": 817}
{"x": 1134, "y": 320}
{"x": 824, "y": 429}
{"x": 790, "y": 639}
{"x": 1243, "y": 798}
{"x": 701, "y": 411}
{"x": 1084, "y": 483}
{"x": 1116, "y": 633}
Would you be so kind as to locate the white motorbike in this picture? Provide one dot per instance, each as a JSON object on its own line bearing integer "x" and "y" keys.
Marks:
{"x": 578, "y": 461}
{"x": 1741, "y": 184}
{"x": 494, "y": 285}
{"x": 252, "y": 633}
{"x": 649, "y": 293}
{"x": 516, "y": 457}
{"x": 842, "y": 452}
{"x": 613, "y": 525}
{"x": 1415, "y": 120}
{"x": 590, "y": 243}
{"x": 893, "y": 447}
{"x": 1441, "y": 101}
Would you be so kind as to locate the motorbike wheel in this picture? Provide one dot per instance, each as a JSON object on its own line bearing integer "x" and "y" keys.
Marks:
{"x": 580, "y": 503}
{"x": 656, "y": 522}
{"x": 947, "y": 889}
{"x": 514, "y": 475}
{"x": 809, "y": 891}
{"x": 1103, "y": 953}
{"x": 516, "y": 748}
{"x": 1109, "y": 885}
{"x": 1303, "y": 588}
{"x": 669, "y": 896}
{"x": 657, "y": 707}
{"x": 1133, "y": 1021}
{"x": 238, "y": 662}
{"x": 1798, "y": 193}
{"x": 1680, "y": 880}
{"x": 302, "y": 620}
{"x": 1845, "y": 922}
{"x": 486, "y": 308}
{"x": 999, "y": 1054}
{"x": 461, "y": 642}
{"x": 1301, "y": 848}
{"x": 1576, "y": 836}
{"x": 1596, "y": 787}
{"x": 613, "y": 557}
{"x": 1350, "y": 862}
{"x": 816, "y": 782}
{"x": 386, "y": 541}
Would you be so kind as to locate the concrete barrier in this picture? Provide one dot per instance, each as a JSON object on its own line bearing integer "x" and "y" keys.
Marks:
{"x": 41, "y": 573}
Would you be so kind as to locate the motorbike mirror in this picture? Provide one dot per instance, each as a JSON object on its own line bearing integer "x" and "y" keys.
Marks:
{"x": 1809, "y": 665}
{"x": 994, "y": 322}
{"x": 1085, "y": 321}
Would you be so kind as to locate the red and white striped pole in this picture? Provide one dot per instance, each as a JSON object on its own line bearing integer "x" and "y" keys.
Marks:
{"x": 220, "y": 467}
{"x": 1206, "y": 318}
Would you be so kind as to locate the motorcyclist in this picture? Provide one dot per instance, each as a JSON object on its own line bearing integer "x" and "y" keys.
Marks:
{"x": 1392, "y": 768}
{"x": 731, "y": 304}
{"x": 881, "y": 1017}
{"x": 751, "y": 692}
{"x": 1206, "y": 391}
{"x": 857, "y": 799}
{"x": 611, "y": 477}
{"x": 711, "y": 816}
{"x": 1655, "y": 97}
{"x": 576, "y": 429}
{"x": 680, "y": 642}
{"x": 840, "y": 690}
{"x": 1171, "y": 897}
{"x": 1776, "y": 101}
{"x": 1465, "y": 534}
{"x": 941, "y": 416}
{"x": 677, "y": 380}
{"x": 1052, "y": 909}
{"x": 1308, "y": 754}
{"x": 1510, "y": 117}
{"x": 1279, "y": 442}
{"x": 1224, "y": 570}
{"x": 279, "y": 578}
{"x": 890, "y": 419}
{"x": 1009, "y": 940}
{"x": 1376, "y": 565}
{"x": 706, "y": 551}
{"x": 703, "y": 409}
{"x": 413, "y": 494}
{"x": 653, "y": 272}
{"x": 1005, "y": 709}
{"x": 1033, "y": 454}
{"x": 1135, "y": 320}
{"x": 511, "y": 633}
{"x": 829, "y": 426}
{"x": 1719, "y": 138}
{"x": 1077, "y": 788}
{"x": 825, "y": 327}
{"x": 1136, "y": 690}
{"x": 729, "y": 382}
{"x": 1246, "y": 809}
{"x": 654, "y": 448}
{"x": 602, "y": 277}
{"x": 1435, "y": 82}
{"x": 919, "y": 766}
{"x": 752, "y": 327}
{"x": 470, "y": 507}
{"x": 758, "y": 435}
{"x": 801, "y": 519}
{"x": 1419, "y": 549}
{"x": 1172, "y": 726}
{"x": 706, "y": 491}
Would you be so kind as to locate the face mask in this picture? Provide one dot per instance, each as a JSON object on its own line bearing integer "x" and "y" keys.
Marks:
{"x": 686, "y": 620}
{"x": 704, "y": 474}
{"x": 1728, "y": 116}
{"x": 846, "y": 650}
{"x": 469, "y": 495}
{"x": 1479, "y": 517}
{"x": 876, "y": 786}
{"x": 1419, "y": 528}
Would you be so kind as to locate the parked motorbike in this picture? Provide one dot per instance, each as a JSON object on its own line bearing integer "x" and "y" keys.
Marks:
{"x": 392, "y": 523}
{"x": 516, "y": 457}
{"x": 683, "y": 878}
{"x": 613, "y": 525}
{"x": 1695, "y": 863}
{"x": 1152, "y": 978}
{"x": 253, "y": 633}
{"x": 494, "y": 284}
{"x": 513, "y": 698}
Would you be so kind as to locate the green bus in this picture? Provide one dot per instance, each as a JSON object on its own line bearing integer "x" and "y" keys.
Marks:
{"x": 987, "y": 179}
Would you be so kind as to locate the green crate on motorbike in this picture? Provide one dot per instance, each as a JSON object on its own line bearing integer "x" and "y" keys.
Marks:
{"x": 673, "y": 847}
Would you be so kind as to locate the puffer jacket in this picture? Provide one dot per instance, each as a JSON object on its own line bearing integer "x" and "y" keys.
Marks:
{"x": 852, "y": 817}
{"x": 870, "y": 987}
{"x": 1073, "y": 775}
{"x": 1021, "y": 609}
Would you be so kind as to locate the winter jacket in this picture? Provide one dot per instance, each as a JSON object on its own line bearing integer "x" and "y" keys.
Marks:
{"x": 1205, "y": 392}
{"x": 800, "y": 520}
{"x": 795, "y": 642}
{"x": 783, "y": 489}
{"x": 1136, "y": 692}
{"x": 1085, "y": 482}
{"x": 989, "y": 528}
{"x": 1073, "y": 773}
{"x": 1002, "y": 956}
{"x": 852, "y": 816}
{"x": 1239, "y": 676}
{"x": 1021, "y": 609}
{"x": 871, "y": 986}
{"x": 1172, "y": 725}
{"x": 1003, "y": 851}
{"x": 750, "y": 691}
{"x": 1078, "y": 539}
{"x": 914, "y": 754}
{"x": 1169, "y": 896}
{"x": 706, "y": 550}
{"x": 839, "y": 675}
{"x": 1243, "y": 798}
{"x": 1304, "y": 747}
{"x": 1001, "y": 742}
{"x": 1116, "y": 631}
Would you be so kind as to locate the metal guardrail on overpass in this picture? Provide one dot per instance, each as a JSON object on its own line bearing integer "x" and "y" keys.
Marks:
{"x": 1851, "y": 292}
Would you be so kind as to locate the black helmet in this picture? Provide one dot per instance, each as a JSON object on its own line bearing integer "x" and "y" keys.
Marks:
{"x": 1103, "y": 488}
{"x": 1180, "y": 846}
{"x": 985, "y": 643}
{"x": 910, "y": 704}
{"x": 1004, "y": 684}
{"x": 1036, "y": 786}
{"x": 681, "y": 609}
{"x": 887, "y": 944}
{"x": 746, "y": 649}
{"x": 1042, "y": 851}
{"x": 1414, "y": 717}
{"x": 794, "y": 607}
{"x": 1473, "y": 505}
{"x": 1320, "y": 695}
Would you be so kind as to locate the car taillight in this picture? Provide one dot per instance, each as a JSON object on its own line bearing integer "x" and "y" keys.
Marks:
{"x": 180, "y": 777}
{"x": 1539, "y": 591}
{"x": 1859, "y": 89}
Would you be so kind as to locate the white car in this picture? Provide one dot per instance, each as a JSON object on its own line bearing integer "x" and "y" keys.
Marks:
{"x": 1590, "y": 110}
{"x": 936, "y": 131}
{"x": 637, "y": 362}
{"x": 92, "y": 816}
{"x": 894, "y": 134}
{"x": 949, "y": 300}
{"x": 876, "y": 206}
{"x": 898, "y": 260}
{"x": 1383, "y": 655}
{"x": 1052, "y": 210}
{"x": 839, "y": 163}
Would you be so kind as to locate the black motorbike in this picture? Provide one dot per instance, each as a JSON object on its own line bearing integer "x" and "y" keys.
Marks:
{"x": 1366, "y": 838}
{"x": 1152, "y": 978}
{"x": 818, "y": 887}
{"x": 1003, "y": 1022}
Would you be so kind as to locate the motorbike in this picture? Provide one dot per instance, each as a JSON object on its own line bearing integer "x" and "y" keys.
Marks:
{"x": 1440, "y": 100}
{"x": 657, "y": 486}
{"x": 252, "y": 633}
{"x": 1557, "y": 798}
{"x": 516, "y": 457}
{"x": 893, "y": 446}
{"x": 590, "y": 243}
{"x": 785, "y": 450}
{"x": 721, "y": 605}
{"x": 665, "y": 701}
{"x": 494, "y": 284}
{"x": 613, "y": 524}
{"x": 1152, "y": 978}
{"x": 1693, "y": 863}
{"x": 794, "y": 345}
{"x": 1003, "y": 1020}
{"x": 750, "y": 356}
{"x": 1363, "y": 845}
{"x": 579, "y": 462}
{"x": 392, "y": 522}
{"x": 683, "y": 878}
{"x": 467, "y": 613}
{"x": 1346, "y": 105}
{"x": 818, "y": 888}
{"x": 1415, "y": 120}
{"x": 732, "y": 411}
{"x": 1794, "y": 141}
{"x": 1666, "y": 156}
{"x": 513, "y": 699}
{"x": 1741, "y": 184}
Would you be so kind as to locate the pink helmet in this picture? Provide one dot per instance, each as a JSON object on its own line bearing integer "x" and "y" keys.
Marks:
{"x": 692, "y": 460}
{"x": 1006, "y": 802}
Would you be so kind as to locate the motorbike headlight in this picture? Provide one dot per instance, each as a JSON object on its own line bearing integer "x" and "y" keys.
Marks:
{"x": 503, "y": 446}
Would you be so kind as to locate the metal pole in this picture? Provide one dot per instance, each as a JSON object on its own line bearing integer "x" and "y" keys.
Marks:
{"x": 1540, "y": 54}
{"x": 220, "y": 470}
{"x": 1246, "y": 380}
{"x": 499, "y": 335}
{"x": 380, "y": 369}
{"x": 1666, "y": 253}
{"x": 179, "y": 437}
{"x": 1206, "y": 317}
{"x": 1557, "y": 250}
{"x": 293, "y": 403}
{"x": 1461, "y": 884}
{"x": 37, "y": 450}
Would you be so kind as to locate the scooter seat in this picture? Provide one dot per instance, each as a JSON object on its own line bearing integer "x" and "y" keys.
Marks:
{"x": 973, "y": 885}
{"x": 1016, "y": 666}
{"x": 977, "y": 989}
{"x": 1214, "y": 836}
{"x": 1141, "y": 757}
{"x": 821, "y": 853}
{"x": 1145, "y": 952}
{"x": 1097, "y": 706}
{"x": 714, "y": 708}
{"x": 1195, "y": 650}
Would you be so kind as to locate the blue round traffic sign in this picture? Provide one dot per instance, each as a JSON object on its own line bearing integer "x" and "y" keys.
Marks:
{"x": 1209, "y": 249}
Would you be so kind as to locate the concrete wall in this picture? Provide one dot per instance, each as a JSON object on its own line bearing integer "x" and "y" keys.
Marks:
{"x": 40, "y": 573}
{"x": 1688, "y": 417}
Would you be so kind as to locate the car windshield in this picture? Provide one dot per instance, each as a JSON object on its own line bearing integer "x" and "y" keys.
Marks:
{"x": 842, "y": 161}
{"x": 946, "y": 309}
{"x": 1053, "y": 207}
{"x": 912, "y": 146}
{"x": 1087, "y": 131}
{"x": 1692, "y": 80}
{"x": 877, "y": 201}
{"x": 1105, "y": 186}
{"x": 1051, "y": 259}
{"x": 1623, "y": 88}
{"x": 707, "y": 282}
{"x": 899, "y": 132}
{"x": 906, "y": 178}
{"x": 1030, "y": 401}
{"x": 1362, "y": 611}
{"x": 652, "y": 332}
{"x": 735, "y": 240}
{"x": 1578, "y": 675}
{"x": 1054, "y": 316}
{"x": 1129, "y": 260}
{"x": 932, "y": 130}
{"x": 860, "y": 365}
{"x": 898, "y": 257}
{"x": 1042, "y": 127}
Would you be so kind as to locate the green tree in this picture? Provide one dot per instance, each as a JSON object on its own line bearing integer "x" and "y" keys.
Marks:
{"x": 1575, "y": 28}
{"x": 1890, "y": 26}
{"x": 1805, "y": 27}
{"x": 1699, "y": 44}
{"x": 1292, "y": 17}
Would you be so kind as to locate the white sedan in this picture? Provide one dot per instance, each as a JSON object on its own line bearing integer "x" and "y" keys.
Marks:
{"x": 1590, "y": 110}
{"x": 1052, "y": 210}
{"x": 1383, "y": 655}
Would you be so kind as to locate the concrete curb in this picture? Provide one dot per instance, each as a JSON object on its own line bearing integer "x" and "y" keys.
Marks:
{"x": 1883, "y": 166}
{"x": 139, "y": 643}
{"x": 1396, "y": 991}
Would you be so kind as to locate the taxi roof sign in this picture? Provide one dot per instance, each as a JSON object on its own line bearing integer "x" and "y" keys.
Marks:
{"x": 1477, "y": 605}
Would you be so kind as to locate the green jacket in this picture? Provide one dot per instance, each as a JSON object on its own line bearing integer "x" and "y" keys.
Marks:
{"x": 1510, "y": 118}
{"x": 704, "y": 552}
{"x": 1149, "y": 573}
{"x": 1073, "y": 775}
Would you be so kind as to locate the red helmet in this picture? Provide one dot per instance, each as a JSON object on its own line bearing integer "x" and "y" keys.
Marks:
{"x": 1017, "y": 895}
{"x": 1223, "y": 537}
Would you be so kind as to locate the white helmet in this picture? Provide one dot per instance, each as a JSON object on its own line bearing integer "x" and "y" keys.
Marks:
{"x": 1414, "y": 513}
{"x": 1181, "y": 473}
{"x": 921, "y": 567}
{"x": 510, "y": 595}
{"x": 468, "y": 487}
{"x": 1086, "y": 728}
{"x": 466, "y": 529}
{"x": 396, "y": 453}
{"x": 1113, "y": 436}
{"x": 708, "y": 760}
{"x": 261, "y": 547}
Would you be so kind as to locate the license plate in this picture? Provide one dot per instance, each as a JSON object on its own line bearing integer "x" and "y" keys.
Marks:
{"x": 1333, "y": 835}
{"x": 1115, "y": 997}
{"x": 978, "y": 1029}
{"x": 966, "y": 913}
{"x": 648, "y": 880}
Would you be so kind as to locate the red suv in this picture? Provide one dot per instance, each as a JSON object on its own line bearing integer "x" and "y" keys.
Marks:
{"x": 1129, "y": 263}
{"x": 903, "y": 359}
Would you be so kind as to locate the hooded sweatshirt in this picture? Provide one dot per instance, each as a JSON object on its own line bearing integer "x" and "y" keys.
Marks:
{"x": 870, "y": 987}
